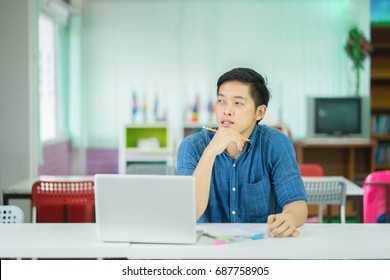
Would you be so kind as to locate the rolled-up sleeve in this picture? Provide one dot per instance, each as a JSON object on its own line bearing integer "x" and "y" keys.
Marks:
{"x": 188, "y": 155}
{"x": 287, "y": 181}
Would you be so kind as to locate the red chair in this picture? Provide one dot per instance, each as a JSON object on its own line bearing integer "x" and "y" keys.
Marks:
{"x": 374, "y": 196}
{"x": 63, "y": 202}
{"x": 309, "y": 169}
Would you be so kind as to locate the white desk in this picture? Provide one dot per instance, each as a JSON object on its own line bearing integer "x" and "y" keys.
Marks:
{"x": 56, "y": 241}
{"x": 317, "y": 241}
{"x": 23, "y": 189}
{"x": 352, "y": 188}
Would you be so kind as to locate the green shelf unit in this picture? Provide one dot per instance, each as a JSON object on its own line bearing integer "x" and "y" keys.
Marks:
{"x": 131, "y": 153}
{"x": 133, "y": 134}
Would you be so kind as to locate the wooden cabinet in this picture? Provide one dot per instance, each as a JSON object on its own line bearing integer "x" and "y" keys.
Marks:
{"x": 380, "y": 94}
{"x": 354, "y": 161}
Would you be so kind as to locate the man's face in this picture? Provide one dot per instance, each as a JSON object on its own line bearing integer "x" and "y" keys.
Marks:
{"x": 235, "y": 108}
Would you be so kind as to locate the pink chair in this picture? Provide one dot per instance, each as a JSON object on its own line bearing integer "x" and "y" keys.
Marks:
{"x": 374, "y": 197}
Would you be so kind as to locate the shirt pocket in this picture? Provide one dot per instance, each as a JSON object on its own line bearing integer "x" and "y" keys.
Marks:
{"x": 254, "y": 200}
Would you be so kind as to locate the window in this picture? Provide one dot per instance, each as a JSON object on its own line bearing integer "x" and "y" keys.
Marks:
{"x": 47, "y": 78}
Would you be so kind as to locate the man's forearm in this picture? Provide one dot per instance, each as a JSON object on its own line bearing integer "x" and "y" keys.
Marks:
{"x": 298, "y": 209}
{"x": 202, "y": 174}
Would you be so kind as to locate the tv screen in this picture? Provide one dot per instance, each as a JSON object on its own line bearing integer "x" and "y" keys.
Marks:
{"x": 337, "y": 116}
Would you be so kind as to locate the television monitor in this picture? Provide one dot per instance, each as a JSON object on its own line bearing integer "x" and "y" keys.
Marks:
{"x": 337, "y": 117}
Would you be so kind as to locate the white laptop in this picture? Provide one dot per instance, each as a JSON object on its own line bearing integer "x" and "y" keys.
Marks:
{"x": 145, "y": 208}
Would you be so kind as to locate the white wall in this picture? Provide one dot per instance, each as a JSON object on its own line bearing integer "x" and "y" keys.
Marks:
{"x": 17, "y": 91}
{"x": 175, "y": 48}
{"x": 181, "y": 47}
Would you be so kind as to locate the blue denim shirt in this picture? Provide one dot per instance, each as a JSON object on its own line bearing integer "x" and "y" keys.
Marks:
{"x": 263, "y": 179}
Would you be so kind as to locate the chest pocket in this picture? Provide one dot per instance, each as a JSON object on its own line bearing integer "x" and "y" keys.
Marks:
{"x": 254, "y": 201}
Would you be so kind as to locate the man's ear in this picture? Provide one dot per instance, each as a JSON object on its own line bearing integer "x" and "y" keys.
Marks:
{"x": 260, "y": 112}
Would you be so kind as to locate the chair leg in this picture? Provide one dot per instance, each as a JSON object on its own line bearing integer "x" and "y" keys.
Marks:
{"x": 65, "y": 213}
{"x": 342, "y": 214}
{"x": 320, "y": 213}
{"x": 34, "y": 215}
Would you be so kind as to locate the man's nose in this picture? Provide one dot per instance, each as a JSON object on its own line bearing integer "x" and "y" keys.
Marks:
{"x": 228, "y": 110}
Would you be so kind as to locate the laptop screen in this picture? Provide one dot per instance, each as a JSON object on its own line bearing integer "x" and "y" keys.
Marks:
{"x": 145, "y": 208}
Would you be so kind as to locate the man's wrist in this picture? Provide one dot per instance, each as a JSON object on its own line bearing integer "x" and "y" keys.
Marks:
{"x": 209, "y": 153}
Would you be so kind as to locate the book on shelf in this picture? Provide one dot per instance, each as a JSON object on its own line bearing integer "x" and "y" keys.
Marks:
{"x": 382, "y": 153}
{"x": 380, "y": 124}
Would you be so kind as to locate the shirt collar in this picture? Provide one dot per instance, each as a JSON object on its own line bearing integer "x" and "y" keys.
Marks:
{"x": 254, "y": 133}
{"x": 253, "y": 137}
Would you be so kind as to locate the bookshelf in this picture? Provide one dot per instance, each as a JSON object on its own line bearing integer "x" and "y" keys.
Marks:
{"x": 380, "y": 94}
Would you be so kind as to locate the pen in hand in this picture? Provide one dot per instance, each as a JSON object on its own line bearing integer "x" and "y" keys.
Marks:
{"x": 214, "y": 130}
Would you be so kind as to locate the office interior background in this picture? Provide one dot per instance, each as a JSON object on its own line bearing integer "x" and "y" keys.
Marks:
{"x": 112, "y": 64}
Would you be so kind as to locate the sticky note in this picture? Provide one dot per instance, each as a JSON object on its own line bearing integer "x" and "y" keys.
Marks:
{"x": 219, "y": 242}
{"x": 223, "y": 238}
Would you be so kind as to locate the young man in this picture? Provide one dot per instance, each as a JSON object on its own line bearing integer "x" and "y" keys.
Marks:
{"x": 240, "y": 181}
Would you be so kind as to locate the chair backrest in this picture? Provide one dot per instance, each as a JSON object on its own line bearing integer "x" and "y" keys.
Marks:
{"x": 327, "y": 193}
{"x": 10, "y": 214}
{"x": 374, "y": 197}
{"x": 153, "y": 169}
{"x": 311, "y": 169}
{"x": 65, "y": 201}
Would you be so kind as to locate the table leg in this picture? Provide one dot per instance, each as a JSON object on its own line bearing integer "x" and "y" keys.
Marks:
{"x": 358, "y": 201}
{"x": 329, "y": 213}
{"x": 5, "y": 199}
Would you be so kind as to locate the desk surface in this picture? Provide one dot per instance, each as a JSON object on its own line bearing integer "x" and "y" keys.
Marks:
{"x": 352, "y": 188}
{"x": 24, "y": 187}
{"x": 317, "y": 241}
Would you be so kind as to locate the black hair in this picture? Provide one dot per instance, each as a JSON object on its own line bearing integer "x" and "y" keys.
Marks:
{"x": 257, "y": 84}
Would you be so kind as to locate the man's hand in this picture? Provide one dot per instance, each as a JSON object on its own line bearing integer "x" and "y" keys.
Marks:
{"x": 223, "y": 138}
{"x": 282, "y": 225}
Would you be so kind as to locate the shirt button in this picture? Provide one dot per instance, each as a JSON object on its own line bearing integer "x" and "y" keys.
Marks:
{"x": 234, "y": 189}
{"x": 233, "y": 212}
{"x": 234, "y": 165}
